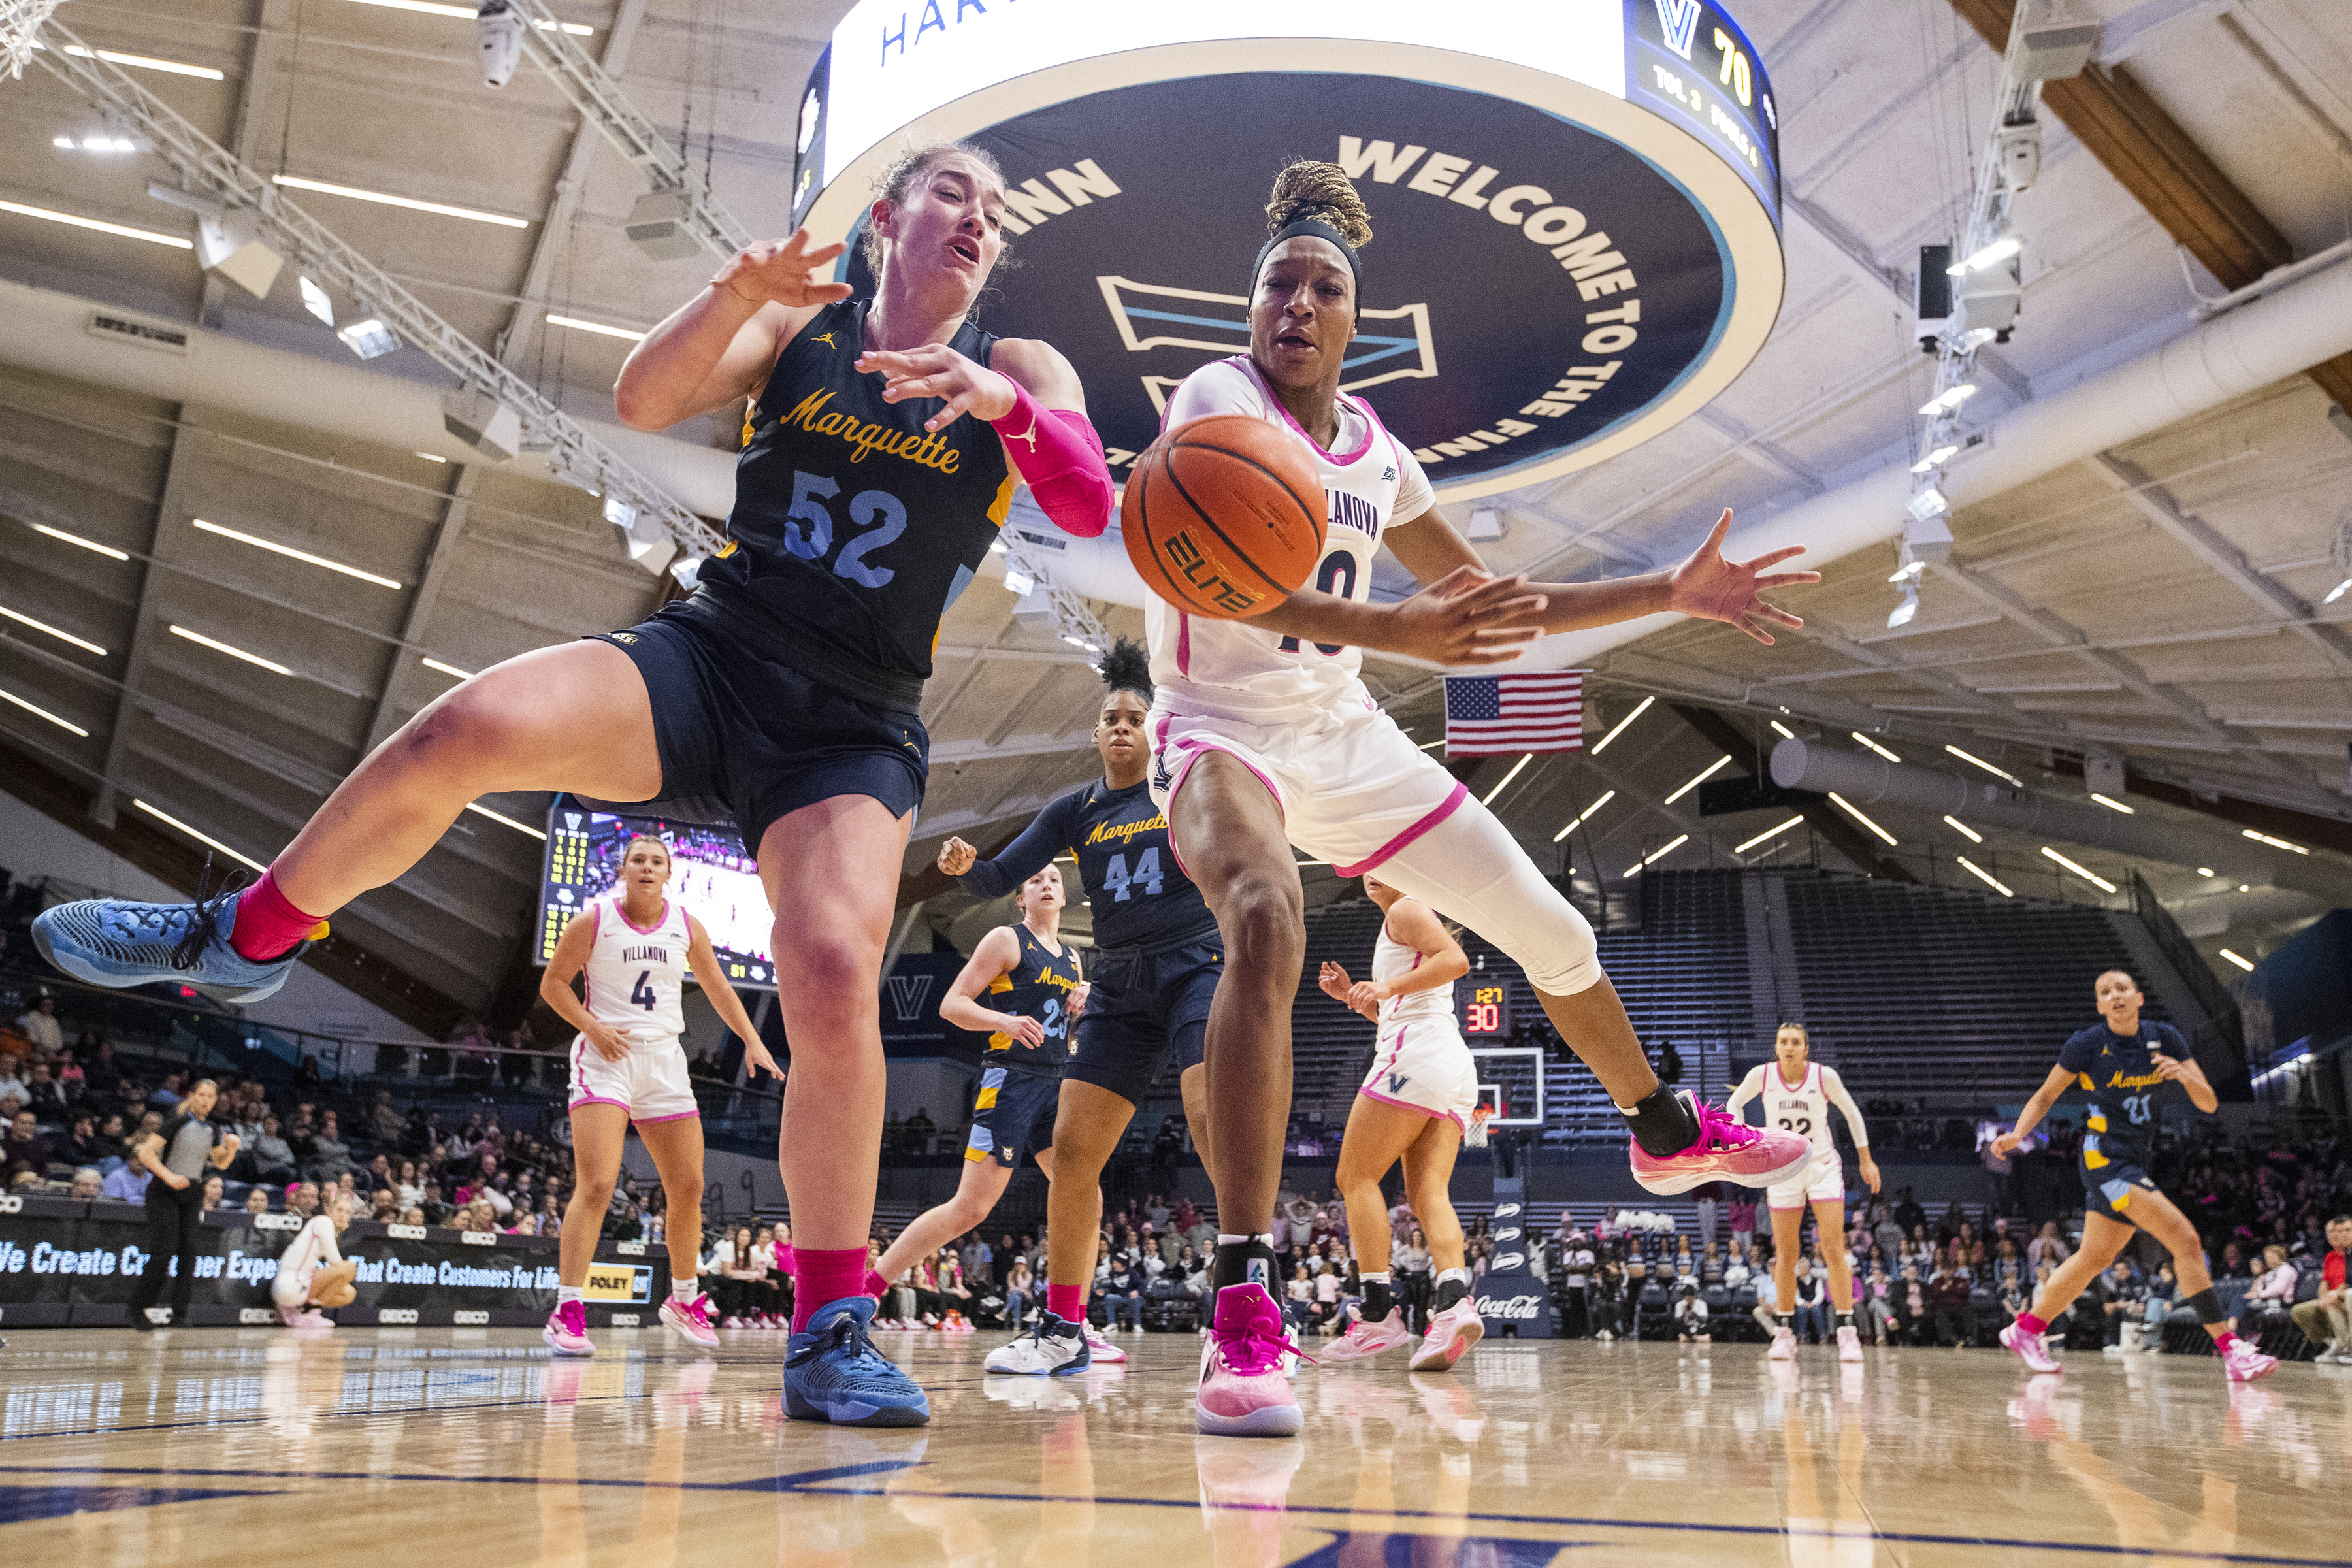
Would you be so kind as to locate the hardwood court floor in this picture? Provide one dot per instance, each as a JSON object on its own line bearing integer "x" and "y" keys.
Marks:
{"x": 433, "y": 1448}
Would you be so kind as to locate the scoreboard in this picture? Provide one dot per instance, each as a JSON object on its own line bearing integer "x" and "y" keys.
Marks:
{"x": 1484, "y": 1010}
{"x": 711, "y": 875}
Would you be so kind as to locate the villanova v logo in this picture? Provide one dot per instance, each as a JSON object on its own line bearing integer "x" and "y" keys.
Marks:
{"x": 1678, "y": 19}
{"x": 907, "y": 995}
{"x": 1396, "y": 1083}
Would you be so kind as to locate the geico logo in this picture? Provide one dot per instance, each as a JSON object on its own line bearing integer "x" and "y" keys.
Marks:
{"x": 469, "y": 1319}
{"x": 255, "y": 1315}
{"x": 477, "y": 1238}
{"x": 624, "y": 1319}
{"x": 277, "y": 1222}
{"x": 404, "y": 1232}
{"x": 12, "y": 1203}
{"x": 630, "y": 1248}
{"x": 396, "y": 1315}
{"x": 1520, "y": 1309}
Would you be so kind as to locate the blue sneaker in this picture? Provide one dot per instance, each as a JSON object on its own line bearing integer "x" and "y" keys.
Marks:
{"x": 123, "y": 942}
{"x": 833, "y": 1373}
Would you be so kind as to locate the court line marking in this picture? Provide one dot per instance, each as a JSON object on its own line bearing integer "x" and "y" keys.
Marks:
{"x": 815, "y": 1481}
{"x": 314, "y": 1415}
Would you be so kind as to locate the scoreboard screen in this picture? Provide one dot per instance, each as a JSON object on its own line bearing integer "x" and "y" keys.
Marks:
{"x": 711, "y": 875}
{"x": 1485, "y": 1009}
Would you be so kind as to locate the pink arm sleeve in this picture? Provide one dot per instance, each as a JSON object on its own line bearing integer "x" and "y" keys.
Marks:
{"x": 1060, "y": 456}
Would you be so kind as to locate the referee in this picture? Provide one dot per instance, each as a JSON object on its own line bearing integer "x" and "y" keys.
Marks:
{"x": 177, "y": 1154}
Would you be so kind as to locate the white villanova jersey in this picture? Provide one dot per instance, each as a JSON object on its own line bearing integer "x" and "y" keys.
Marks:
{"x": 634, "y": 976}
{"x": 1370, "y": 480}
{"x": 1803, "y": 1110}
{"x": 1391, "y": 959}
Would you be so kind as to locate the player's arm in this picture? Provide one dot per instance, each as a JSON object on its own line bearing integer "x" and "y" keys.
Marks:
{"x": 150, "y": 1154}
{"x": 1443, "y": 962}
{"x": 1750, "y": 1087}
{"x": 1029, "y": 394}
{"x": 997, "y": 955}
{"x": 1834, "y": 1087}
{"x": 1335, "y": 984}
{"x": 2061, "y": 1079}
{"x": 1018, "y": 861}
{"x": 704, "y": 960}
{"x": 570, "y": 957}
{"x": 2183, "y": 1070}
{"x": 719, "y": 347}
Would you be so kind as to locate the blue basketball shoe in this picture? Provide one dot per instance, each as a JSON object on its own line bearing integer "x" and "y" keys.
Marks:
{"x": 123, "y": 942}
{"x": 833, "y": 1373}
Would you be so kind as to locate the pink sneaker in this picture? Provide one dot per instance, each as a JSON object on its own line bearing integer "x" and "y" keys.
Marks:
{"x": 691, "y": 1319}
{"x": 567, "y": 1330}
{"x": 1784, "y": 1345}
{"x": 2034, "y": 1353}
{"x": 1243, "y": 1392}
{"x": 1099, "y": 1349}
{"x": 1451, "y": 1334}
{"x": 1365, "y": 1338}
{"x": 1728, "y": 1150}
{"x": 2244, "y": 1364}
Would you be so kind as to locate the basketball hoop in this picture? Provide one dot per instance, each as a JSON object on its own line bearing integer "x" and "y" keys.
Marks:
{"x": 20, "y": 26}
{"x": 1474, "y": 1135}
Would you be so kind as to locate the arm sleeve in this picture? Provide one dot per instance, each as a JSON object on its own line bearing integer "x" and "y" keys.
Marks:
{"x": 1060, "y": 456}
{"x": 1048, "y": 835}
{"x": 1750, "y": 1087}
{"x": 1834, "y": 1087}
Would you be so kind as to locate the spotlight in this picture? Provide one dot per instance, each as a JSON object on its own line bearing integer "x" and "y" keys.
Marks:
{"x": 315, "y": 300}
{"x": 369, "y": 339}
{"x": 1927, "y": 503}
{"x": 2000, "y": 251}
{"x": 1901, "y": 614}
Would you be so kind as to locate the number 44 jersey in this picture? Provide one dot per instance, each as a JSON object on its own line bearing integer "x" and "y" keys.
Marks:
{"x": 1140, "y": 897}
{"x": 635, "y": 972}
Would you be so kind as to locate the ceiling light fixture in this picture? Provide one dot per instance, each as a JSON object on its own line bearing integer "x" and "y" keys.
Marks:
{"x": 577, "y": 324}
{"x": 1712, "y": 769}
{"x": 506, "y": 821}
{"x": 1927, "y": 503}
{"x": 2240, "y": 963}
{"x": 2274, "y": 843}
{"x": 1963, "y": 829}
{"x": 1767, "y": 833}
{"x": 2337, "y": 592}
{"x": 430, "y": 456}
{"x": 234, "y": 652}
{"x": 2000, "y": 251}
{"x": 2207, "y": 871}
{"x": 1948, "y": 400}
{"x": 45, "y": 713}
{"x": 1986, "y": 877}
{"x": 145, "y": 62}
{"x": 1491, "y": 793}
{"x": 205, "y": 839}
{"x": 1431, "y": 745}
{"x": 303, "y": 555}
{"x": 316, "y": 300}
{"x": 1659, "y": 853}
{"x": 1785, "y": 732}
{"x": 1639, "y": 708}
{"x": 1578, "y": 820}
{"x": 2114, "y": 805}
{"x": 1902, "y": 614}
{"x": 1874, "y": 746}
{"x": 2079, "y": 870}
{"x": 45, "y": 627}
{"x": 449, "y": 670}
{"x": 369, "y": 339}
{"x": 123, "y": 230}
{"x": 1979, "y": 762}
{"x": 90, "y": 544}
{"x": 443, "y": 208}
{"x": 1855, "y": 812}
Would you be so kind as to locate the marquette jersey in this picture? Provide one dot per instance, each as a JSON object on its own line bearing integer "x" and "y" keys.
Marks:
{"x": 2119, "y": 1075}
{"x": 1368, "y": 480}
{"x": 1392, "y": 959}
{"x": 1037, "y": 988}
{"x": 635, "y": 974}
{"x": 1140, "y": 897}
{"x": 854, "y": 527}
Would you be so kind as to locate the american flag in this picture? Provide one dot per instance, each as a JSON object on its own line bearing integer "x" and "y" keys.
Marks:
{"x": 1487, "y": 715}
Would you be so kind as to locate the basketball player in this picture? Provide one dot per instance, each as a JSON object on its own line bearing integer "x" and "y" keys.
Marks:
{"x": 1797, "y": 1095}
{"x": 1414, "y": 1105}
{"x": 628, "y": 1065}
{"x": 1264, "y": 738}
{"x": 2130, "y": 1069}
{"x": 1156, "y": 966}
{"x": 1034, "y": 988}
{"x": 313, "y": 1272}
{"x": 879, "y": 455}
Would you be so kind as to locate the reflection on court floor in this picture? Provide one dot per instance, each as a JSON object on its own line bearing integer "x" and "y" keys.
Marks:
{"x": 199, "y": 1445}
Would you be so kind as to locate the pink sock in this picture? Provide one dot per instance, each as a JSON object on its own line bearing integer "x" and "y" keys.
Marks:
{"x": 2223, "y": 1341}
{"x": 268, "y": 926}
{"x": 875, "y": 1286}
{"x": 2032, "y": 1325}
{"x": 820, "y": 1279}
{"x": 1068, "y": 1302}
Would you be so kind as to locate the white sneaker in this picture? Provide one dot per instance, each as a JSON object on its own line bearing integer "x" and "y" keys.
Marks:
{"x": 1784, "y": 1345}
{"x": 1849, "y": 1343}
{"x": 1102, "y": 1349}
{"x": 1055, "y": 1348}
{"x": 1451, "y": 1334}
{"x": 2332, "y": 1353}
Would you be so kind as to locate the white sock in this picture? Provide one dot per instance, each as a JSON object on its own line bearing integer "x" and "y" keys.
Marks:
{"x": 1265, "y": 1238}
{"x": 684, "y": 1290}
{"x": 1461, "y": 1274}
{"x": 571, "y": 1293}
{"x": 1380, "y": 1278}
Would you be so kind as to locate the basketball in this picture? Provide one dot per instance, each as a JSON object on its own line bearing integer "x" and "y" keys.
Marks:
{"x": 1223, "y": 516}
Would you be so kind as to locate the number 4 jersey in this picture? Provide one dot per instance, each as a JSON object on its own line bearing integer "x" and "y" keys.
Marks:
{"x": 634, "y": 973}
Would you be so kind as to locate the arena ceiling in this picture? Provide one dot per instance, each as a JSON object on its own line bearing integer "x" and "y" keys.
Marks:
{"x": 2162, "y": 601}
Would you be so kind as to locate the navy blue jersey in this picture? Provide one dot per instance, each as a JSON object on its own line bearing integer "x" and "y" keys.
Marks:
{"x": 1120, "y": 838}
{"x": 854, "y": 527}
{"x": 1037, "y": 988}
{"x": 2125, "y": 1091}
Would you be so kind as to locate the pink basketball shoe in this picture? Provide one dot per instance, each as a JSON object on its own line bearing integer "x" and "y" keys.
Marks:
{"x": 1728, "y": 1151}
{"x": 567, "y": 1330}
{"x": 1243, "y": 1392}
{"x": 691, "y": 1319}
{"x": 2029, "y": 1349}
{"x": 1365, "y": 1338}
{"x": 2244, "y": 1363}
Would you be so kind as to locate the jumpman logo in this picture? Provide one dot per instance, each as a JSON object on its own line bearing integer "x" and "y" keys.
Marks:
{"x": 826, "y": 339}
{"x": 1029, "y": 436}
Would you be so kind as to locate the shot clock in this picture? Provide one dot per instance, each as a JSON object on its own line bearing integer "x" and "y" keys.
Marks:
{"x": 1484, "y": 1010}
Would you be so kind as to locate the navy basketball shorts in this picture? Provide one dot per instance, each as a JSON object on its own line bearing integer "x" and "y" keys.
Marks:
{"x": 1139, "y": 1005}
{"x": 742, "y": 736}
{"x": 1011, "y": 1115}
{"x": 2109, "y": 1187}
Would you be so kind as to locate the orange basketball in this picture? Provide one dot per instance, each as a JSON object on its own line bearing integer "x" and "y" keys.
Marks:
{"x": 1223, "y": 516}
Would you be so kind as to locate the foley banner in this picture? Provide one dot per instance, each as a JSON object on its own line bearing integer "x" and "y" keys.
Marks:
{"x": 65, "y": 1263}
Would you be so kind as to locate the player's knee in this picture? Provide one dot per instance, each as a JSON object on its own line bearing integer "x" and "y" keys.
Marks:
{"x": 594, "y": 1191}
{"x": 827, "y": 975}
{"x": 1563, "y": 956}
{"x": 1261, "y": 921}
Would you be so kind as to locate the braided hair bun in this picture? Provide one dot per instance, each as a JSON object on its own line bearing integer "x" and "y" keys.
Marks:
{"x": 1128, "y": 668}
{"x": 1308, "y": 189}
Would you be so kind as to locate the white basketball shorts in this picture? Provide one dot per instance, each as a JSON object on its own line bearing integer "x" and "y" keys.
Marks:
{"x": 1421, "y": 1065}
{"x": 1822, "y": 1181}
{"x": 651, "y": 1084}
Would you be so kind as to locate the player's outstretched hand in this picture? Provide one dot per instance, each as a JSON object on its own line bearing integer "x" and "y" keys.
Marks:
{"x": 936, "y": 370}
{"x": 1468, "y": 618}
{"x": 608, "y": 1041}
{"x": 781, "y": 271}
{"x": 1334, "y": 981}
{"x": 1713, "y": 589}
{"x": 956, "y": 856}
{"x": 758, "y": 1060}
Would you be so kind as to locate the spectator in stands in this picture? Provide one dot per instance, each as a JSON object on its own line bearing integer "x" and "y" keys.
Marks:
{"x": 1949, "y": 1300}
{"x": 303, "y": 1199}
{"x": 1576, "y": 1264}
{"x": 43, "y": 1096}
{"x": 383, "y": 1208}
{"x": 1413, "y": 1277}
{"x": 88, "y": 1185}
{"x": 1124, "y": 1290}
{"x": 126, "y": 1183}
{"x": 2122, "y": 1300}
{"x": 257, "y": 1200}
{"x": 2007, "y": 1268}
{"x": 1877, "y": 1307}
{"x": 1811, "y": 1319}
{"x": 328, "y": 1156}
{"x": 2048, "y": 1247}
{"x": 2233, "y": 1264}
{"x": 214, "y": 1189}
{"x": 271, "y": 1159}
{"x": 1736, "y": 1270}
{"x": 40, "y": 1025}
{"x": 1298, "y": 1301}
{"x": 1910, "y": 1306}
{"x": 2274, "y": 1288}
{"x": 23, "y": 1153}
{"x": 2326, "y": 1319}
{"x": 166, "y": 1098}
{"x": 1690, "y": 1318}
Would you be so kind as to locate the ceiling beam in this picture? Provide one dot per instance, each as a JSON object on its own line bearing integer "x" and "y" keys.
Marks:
{"x": 1821, "y": 815}
{"x": 406, "y": 670}
{"x": 2283, "y": 822}
{"x": 162, "y": 542}
{"x": 2153, "y": 158}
